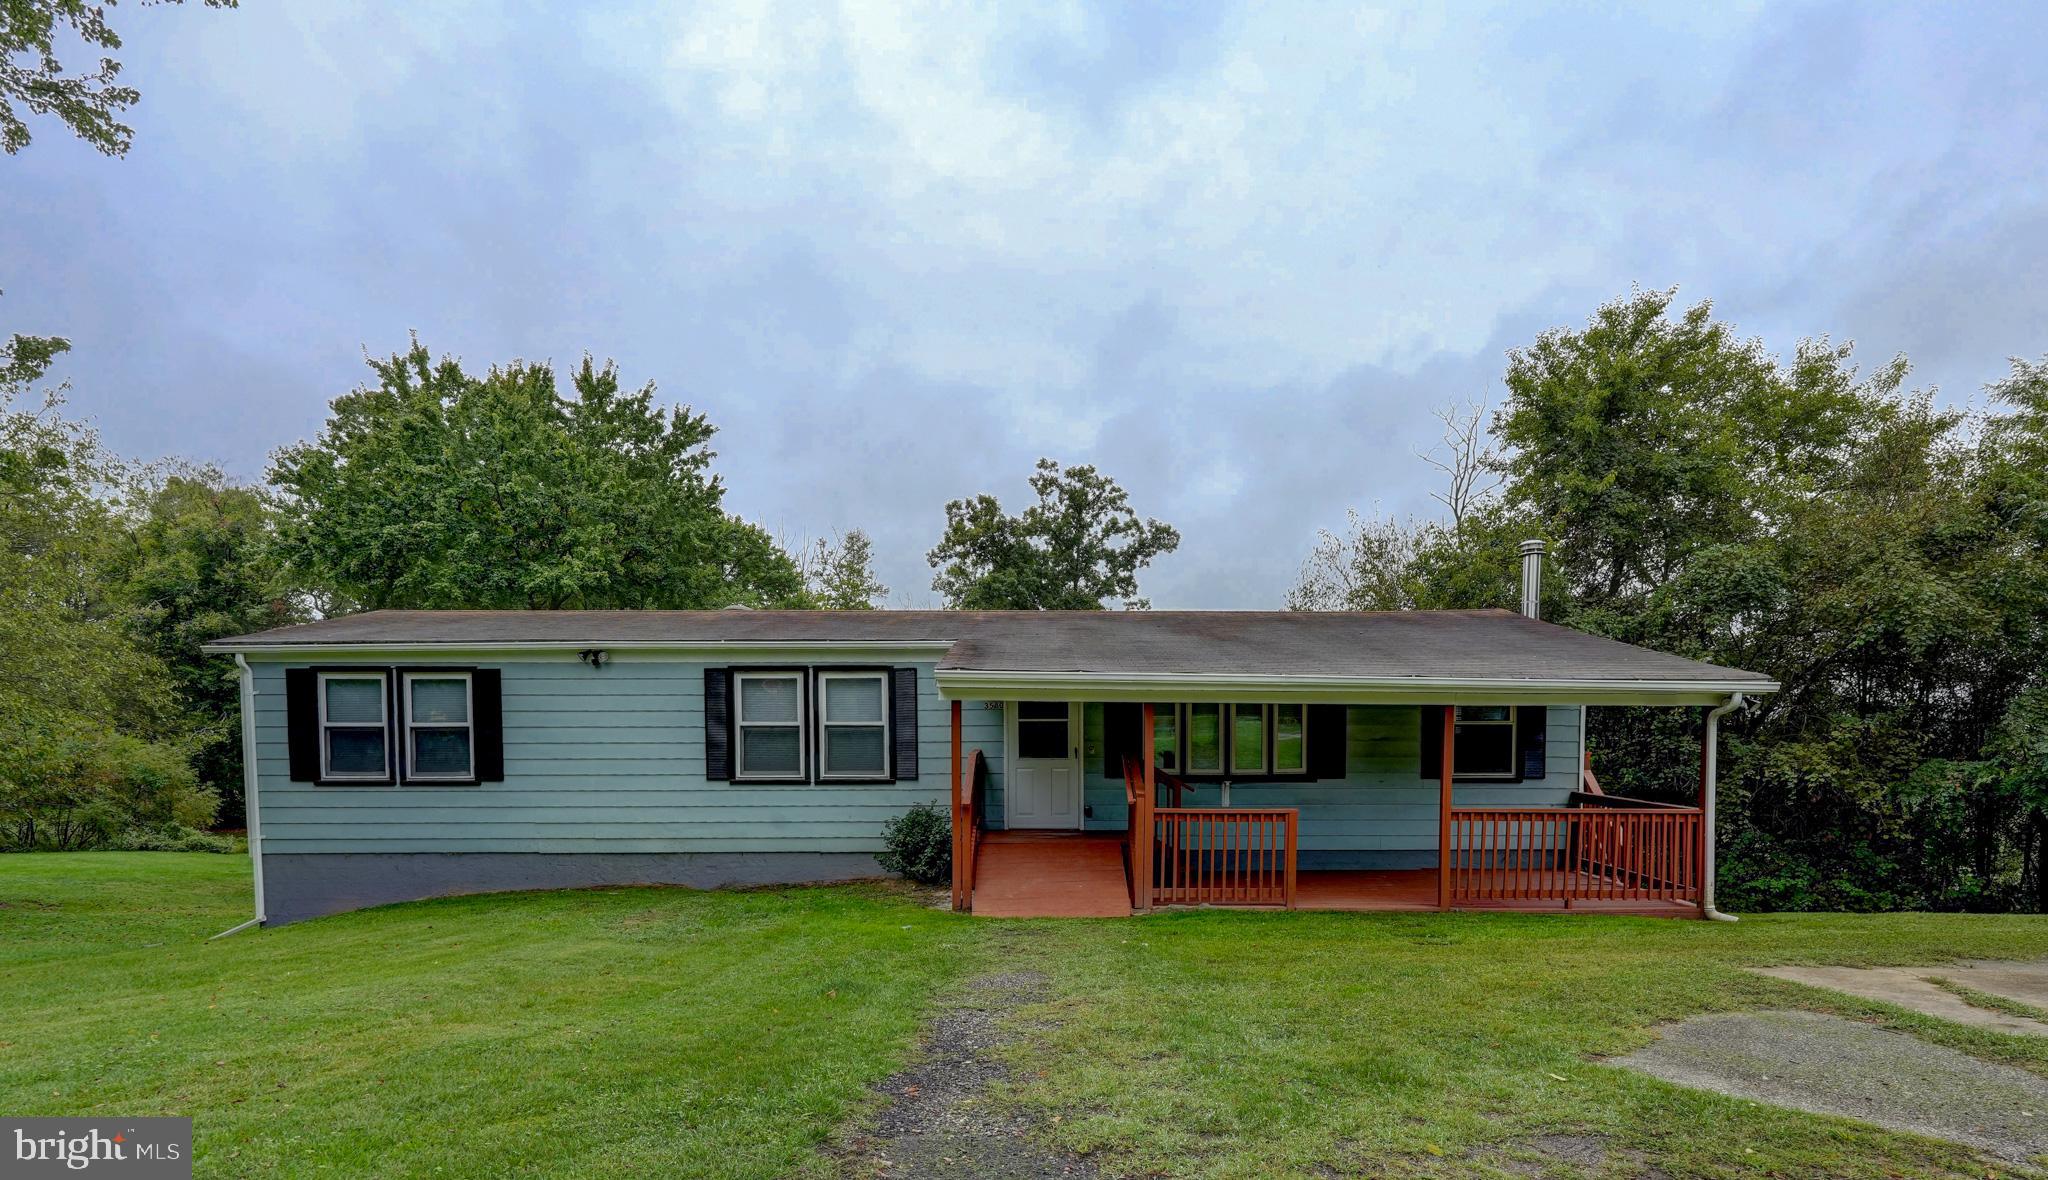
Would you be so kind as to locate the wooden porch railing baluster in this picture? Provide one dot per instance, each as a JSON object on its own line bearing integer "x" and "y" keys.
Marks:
{"x": 1615, "y": 851}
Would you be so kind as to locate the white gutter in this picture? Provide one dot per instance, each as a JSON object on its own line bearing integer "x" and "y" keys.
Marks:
{"x": 1713, "y": 766}
{"x": 249, "y": 792}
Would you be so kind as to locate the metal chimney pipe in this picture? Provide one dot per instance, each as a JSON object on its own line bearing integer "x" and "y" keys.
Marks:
{"x": 1532, "y": 578}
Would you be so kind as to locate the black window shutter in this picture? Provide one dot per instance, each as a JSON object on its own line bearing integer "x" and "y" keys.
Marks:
{"x": 1122, "y": 725}
{"x": 1531, "y": 734}
{"x": 302, "y": 723}
{"x": 718, "y": 724}
{"x": 1329, "y": 740}
{"x": 487, "y": 690}
{"x": 903, "y": 722}
{"x": 1433, "y": 742}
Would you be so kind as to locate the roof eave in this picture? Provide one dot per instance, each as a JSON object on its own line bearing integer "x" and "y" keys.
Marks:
{"x": 752, "y": 647}
{"x": 962, "y": 684}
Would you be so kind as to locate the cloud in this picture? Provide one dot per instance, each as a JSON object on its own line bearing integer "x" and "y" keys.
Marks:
{"x": 1230, "y": 253}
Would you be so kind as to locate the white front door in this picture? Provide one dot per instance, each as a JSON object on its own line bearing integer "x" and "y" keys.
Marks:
{"x": 1044, "y": 790}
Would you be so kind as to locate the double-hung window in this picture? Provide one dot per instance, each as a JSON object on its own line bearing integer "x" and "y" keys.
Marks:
{"x": 770, "y": 721}
{"x": 853, "y": 724}
{"x": 352, "y": 727}
{"x": 440, "y": 733}
{"x": 1483, "y": 738}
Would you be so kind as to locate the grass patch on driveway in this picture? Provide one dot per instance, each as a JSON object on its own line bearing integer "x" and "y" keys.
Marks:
{"x": 672, "y": 1032}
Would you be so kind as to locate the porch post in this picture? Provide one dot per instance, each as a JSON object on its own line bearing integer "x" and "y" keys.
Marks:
{"x": 960, "y": 866}
{"x": 1699, "y": 844}
{"x": 1141, "y": 821}
{"x": 1443, "y": 821}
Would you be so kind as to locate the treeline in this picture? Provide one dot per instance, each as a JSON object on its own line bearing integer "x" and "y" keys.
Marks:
{"x": 1883, "y": 558}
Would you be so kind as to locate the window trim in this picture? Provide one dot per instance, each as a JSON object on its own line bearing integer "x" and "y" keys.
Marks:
{"x": 407, "y": 725}
{"x": 382, "y": 725}
{"x": 1512, "y": 724}
{"x": 885, "y": 679}
{"x": 739, "y": 725}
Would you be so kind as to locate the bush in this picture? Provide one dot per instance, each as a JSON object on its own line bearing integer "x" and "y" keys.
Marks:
{"x": 71, "y": 787}
{"x": 920, "y": 845}
{"x": 172, "y": 837}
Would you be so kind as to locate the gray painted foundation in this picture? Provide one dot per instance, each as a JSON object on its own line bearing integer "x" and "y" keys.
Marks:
{"x": 300, "y": 885}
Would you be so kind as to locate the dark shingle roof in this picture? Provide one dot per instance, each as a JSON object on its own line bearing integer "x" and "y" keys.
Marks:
{"x": 1486, "y": 644}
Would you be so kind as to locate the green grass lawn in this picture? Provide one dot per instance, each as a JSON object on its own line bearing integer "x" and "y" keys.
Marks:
{"x": 669, "y": 1032}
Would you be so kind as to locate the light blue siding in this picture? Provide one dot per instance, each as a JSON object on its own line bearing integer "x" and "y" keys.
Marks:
{"x": 1382, "y": 804}
{"x": 601, "y": 761}
{"x": 612, "y": 760}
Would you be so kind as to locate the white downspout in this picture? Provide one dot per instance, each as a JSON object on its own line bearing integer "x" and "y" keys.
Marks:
{"x": 1713, "y": 760}
{"x": 249, "y": 791}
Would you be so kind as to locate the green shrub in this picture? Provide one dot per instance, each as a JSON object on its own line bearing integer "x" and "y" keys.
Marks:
{"x": 919, "y": 845}
{"x": 171, "y": 837}
{"x": 77, "y": 786}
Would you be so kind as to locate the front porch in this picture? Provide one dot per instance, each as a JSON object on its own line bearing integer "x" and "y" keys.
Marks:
{"x": 1594, "y": 853}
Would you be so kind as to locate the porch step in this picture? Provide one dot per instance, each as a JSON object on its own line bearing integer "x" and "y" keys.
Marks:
{"x": 1050, "y": 875}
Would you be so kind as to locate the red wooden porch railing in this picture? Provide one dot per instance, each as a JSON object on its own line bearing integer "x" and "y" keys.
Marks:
{"x": 1225, "y": 856}
{"x": 1207, "y": 855}
{"x": 967, "y": 820}
{"x": 1604, "y": 849}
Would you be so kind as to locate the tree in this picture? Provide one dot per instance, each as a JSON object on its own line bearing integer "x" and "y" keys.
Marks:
{"x": 436, "y": 489}
{"x": 1080, "y": 544}
{"x": 1470, "y": 467}
{"x": 841, "y": 576}
{"x": 1370, "y": 566}
{"x": 1644, "y": 437}
{"x": 33, "y": 81}
{"x": 196, "y": 563}
{"x": 93, "y": 742}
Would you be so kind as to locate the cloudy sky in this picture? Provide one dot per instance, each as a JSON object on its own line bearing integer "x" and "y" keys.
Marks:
{"x": 1232, "y": 254}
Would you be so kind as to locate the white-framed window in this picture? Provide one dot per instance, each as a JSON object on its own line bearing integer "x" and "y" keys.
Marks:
{"x": 853, "y": 725}
{"x": 1205, "y": 738}
{"x": 1248, "y": 727}
{"x": 353, "y": 727}
{"x": 769, "y": 720}
{"x": 1166, "y": 738}
{"x": 440, "y": 727}
{"x": 1290, "y": 739}
{"x": 1483, "y": 741}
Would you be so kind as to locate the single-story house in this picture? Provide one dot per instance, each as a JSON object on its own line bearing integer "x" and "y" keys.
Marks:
{"x": 1093, "y": 762}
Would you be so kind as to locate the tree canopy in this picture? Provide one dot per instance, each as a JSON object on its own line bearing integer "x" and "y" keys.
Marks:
{"x": 1080, "y": 544}
{"x": 841, "y": 576}
{"x": 434, "y": 488}
{"x": 33, "y": 80}
{"x": 94, "y": 744}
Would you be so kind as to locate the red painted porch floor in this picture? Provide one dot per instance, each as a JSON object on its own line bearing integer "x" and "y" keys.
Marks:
{"x": 1051, "y": 875}
{"x": 1069, "y": 875}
